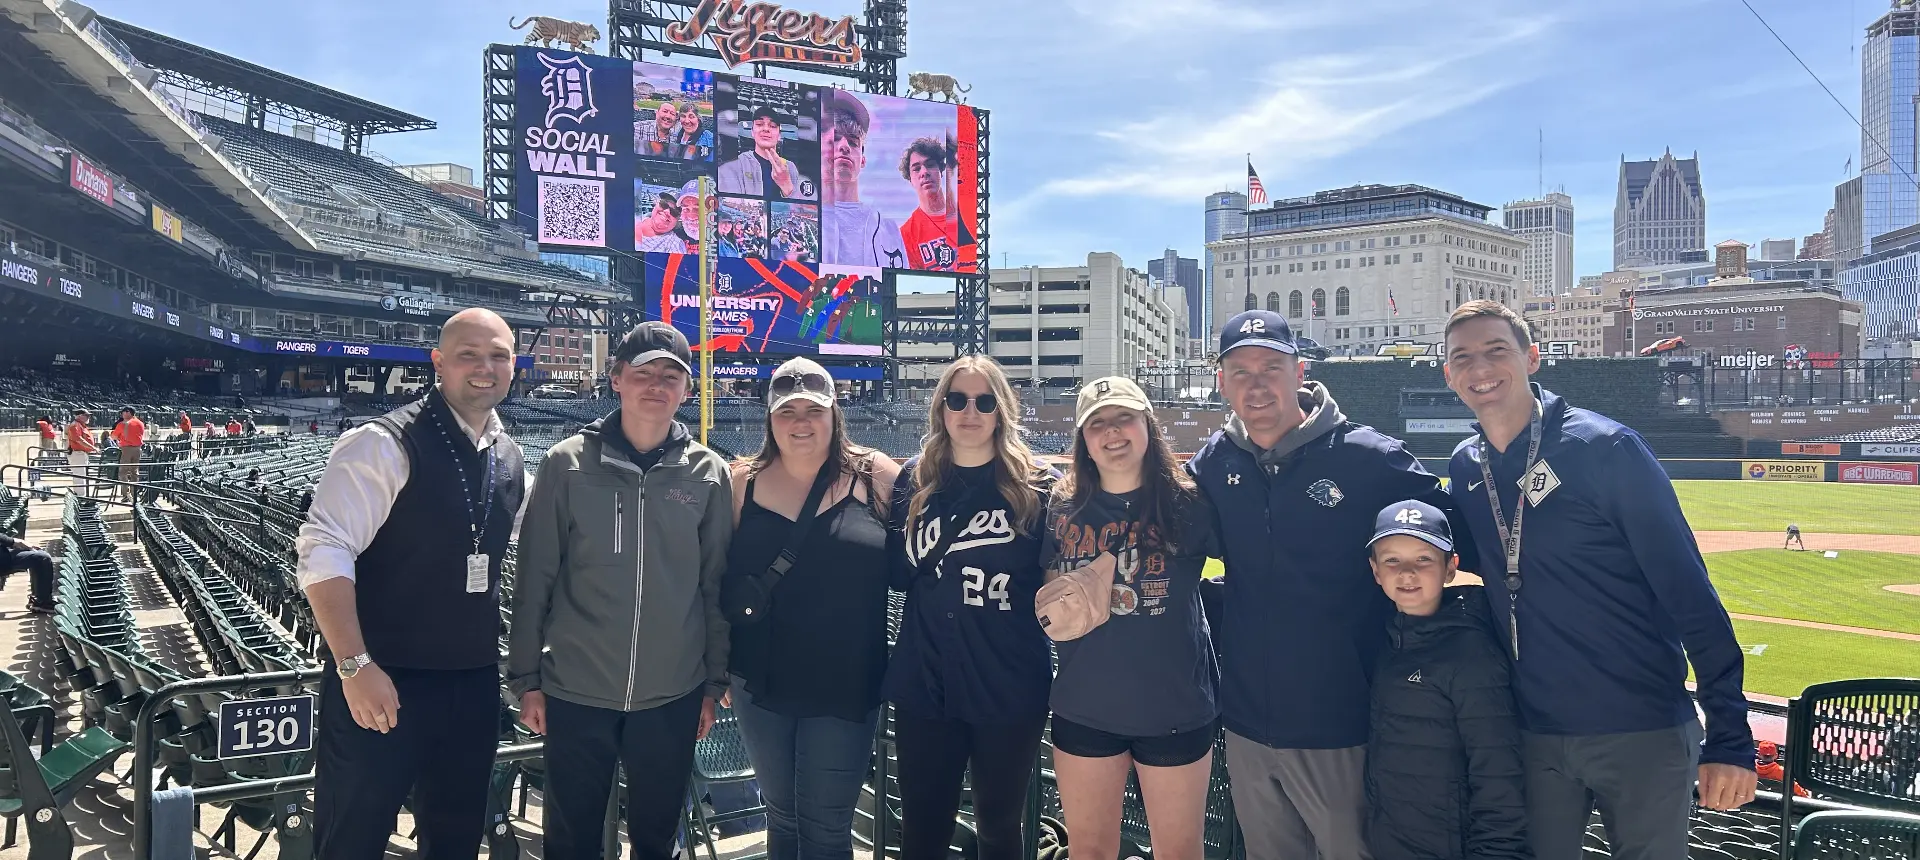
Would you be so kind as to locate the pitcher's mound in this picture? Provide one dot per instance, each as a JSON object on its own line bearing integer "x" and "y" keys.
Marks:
{"x": 1905, "y": 589}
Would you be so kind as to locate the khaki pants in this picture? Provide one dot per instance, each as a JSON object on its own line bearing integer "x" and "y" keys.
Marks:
{"x": 129, "y": 471}
{"x": 78, "y": 464}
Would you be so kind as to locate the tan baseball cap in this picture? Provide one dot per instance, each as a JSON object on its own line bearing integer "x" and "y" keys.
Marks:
{"x": 1109, "y": 391}
{"x": 801, "y": 378}
{"x": 1077, "y": 601}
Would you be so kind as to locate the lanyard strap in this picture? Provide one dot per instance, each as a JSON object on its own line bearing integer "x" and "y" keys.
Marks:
{"x": 476, "y": 524}
{"x": 1510, "y": 536}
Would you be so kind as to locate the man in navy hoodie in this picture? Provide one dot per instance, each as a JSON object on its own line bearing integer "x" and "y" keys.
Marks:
{"x": 1600, "y": 608}
{"x": 1297, "y": 486}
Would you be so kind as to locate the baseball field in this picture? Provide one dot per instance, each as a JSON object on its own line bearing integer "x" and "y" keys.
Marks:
{"x": 1846, "y": 607}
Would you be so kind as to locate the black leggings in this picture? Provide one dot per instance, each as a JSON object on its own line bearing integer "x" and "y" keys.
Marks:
{"x": 934, "y": 756}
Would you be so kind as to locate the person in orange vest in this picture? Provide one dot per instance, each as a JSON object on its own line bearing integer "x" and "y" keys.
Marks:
{"x": 1767, "y": 766}
{"x": 47, "y": 436}
{"x": 80, "y": 450}
{"x": 186, "y": 424}
{"x": 233, "y": 427}
{"x": 131, "y": 433}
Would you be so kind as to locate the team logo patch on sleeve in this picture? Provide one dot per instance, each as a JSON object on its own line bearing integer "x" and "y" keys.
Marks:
{"x": 1538, "y": 483}
{"x": 1326, "y": 492}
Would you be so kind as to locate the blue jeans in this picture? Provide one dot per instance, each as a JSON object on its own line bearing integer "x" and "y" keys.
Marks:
{"x": 810, "y": 770}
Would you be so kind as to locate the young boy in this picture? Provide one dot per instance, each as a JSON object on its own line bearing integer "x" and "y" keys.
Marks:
{"x": 1444, "y": 772}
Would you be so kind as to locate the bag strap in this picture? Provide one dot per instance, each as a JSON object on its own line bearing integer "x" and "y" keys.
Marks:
{"x": 788, "y": 554}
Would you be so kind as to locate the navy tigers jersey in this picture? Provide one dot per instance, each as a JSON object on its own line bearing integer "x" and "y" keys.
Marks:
{"x": 969, "y": 646}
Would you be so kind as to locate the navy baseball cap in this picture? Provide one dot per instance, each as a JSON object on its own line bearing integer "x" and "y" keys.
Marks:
{"x": 1257, "y": 328}
{"x": 1413, "y": 518}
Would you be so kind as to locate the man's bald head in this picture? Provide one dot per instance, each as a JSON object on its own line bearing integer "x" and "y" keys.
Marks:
{"x": 475, "y": 362}
{"x": 477, "y": 323}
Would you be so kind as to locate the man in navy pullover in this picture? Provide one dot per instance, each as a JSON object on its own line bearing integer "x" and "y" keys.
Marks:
{"x": 1297, "y": 487}
{"x": 1604, "y": 604}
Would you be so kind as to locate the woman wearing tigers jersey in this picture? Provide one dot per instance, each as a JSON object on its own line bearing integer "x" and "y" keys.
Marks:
{"x": 971, "y": 670}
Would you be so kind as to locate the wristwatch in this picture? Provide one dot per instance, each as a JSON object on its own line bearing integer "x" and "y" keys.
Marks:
{"x": 352, "y": 665}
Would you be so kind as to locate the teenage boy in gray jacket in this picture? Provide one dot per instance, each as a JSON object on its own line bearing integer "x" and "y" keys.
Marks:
{"x": 618, "y": 649}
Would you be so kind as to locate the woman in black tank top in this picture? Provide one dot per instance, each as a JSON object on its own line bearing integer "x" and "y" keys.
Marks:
{"x": 807, "y": 673}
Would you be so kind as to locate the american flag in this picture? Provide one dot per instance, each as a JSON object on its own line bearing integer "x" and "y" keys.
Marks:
{"x": 1391, "y": 303}
{"x": 1256, "y": 193}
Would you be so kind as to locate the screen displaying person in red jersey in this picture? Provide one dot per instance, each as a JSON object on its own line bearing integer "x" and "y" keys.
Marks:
{"x": 931, "y": 235}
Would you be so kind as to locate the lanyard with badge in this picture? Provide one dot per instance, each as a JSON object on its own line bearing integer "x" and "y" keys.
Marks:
{"x": 477, "y": 561}
{"x": 1510, "y": 537}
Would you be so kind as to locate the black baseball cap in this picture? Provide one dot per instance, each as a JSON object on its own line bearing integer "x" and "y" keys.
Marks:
{"x": 654, "y": 340}
{"x": 1258, "y": 328}
{"x": 767, "y": 112}
{"x": 1413, "y": 518}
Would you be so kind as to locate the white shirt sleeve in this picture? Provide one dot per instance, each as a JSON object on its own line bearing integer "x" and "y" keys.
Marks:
{"x": 356, "y": 493}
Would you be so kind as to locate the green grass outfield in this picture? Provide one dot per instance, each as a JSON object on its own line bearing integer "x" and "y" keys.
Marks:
{"x": 1764, "y": 506}
{"x": 1811, "y": 587}
{"x": 1796, "y": 657}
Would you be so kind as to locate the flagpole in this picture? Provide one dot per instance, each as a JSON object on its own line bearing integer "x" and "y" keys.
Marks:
{"x": 1246, "y": 227}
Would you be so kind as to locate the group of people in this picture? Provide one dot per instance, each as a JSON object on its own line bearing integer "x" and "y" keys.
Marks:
{"x": 1371, "y": 706}
{"x": 677, "y": 132}
{"x": 129, "y": 435}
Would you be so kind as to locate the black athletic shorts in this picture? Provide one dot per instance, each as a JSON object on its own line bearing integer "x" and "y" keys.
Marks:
{"x": 1170, "y": 750}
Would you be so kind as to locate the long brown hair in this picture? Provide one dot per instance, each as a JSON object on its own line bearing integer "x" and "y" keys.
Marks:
{"x": 1165, "y": 487}
{"x": 847, "y": 458}
{"x": 1016, "y": 475}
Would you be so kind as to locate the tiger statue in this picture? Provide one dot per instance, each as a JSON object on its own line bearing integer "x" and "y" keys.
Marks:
{"x": 545, "y": 30}
{"x": 930, "y": 83}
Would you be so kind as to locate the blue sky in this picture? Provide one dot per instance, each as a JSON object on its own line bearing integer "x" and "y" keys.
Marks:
{"x": 1113, "y": 118}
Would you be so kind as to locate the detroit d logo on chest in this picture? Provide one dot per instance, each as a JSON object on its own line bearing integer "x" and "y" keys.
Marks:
{"x": 1538, "y": 483}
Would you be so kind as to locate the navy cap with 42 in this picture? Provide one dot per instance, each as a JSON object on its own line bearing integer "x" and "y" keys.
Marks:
{"x": 1258, "y": 328}
{"x": 1414, "y": 518}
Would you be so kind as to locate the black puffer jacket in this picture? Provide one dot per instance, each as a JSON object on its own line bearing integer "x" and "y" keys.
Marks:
{"x": 1444, "y": 776}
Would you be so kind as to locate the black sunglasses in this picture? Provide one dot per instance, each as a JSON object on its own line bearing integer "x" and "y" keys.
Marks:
{"x": 811, "y": 382}
{"x": 986, "y": 403}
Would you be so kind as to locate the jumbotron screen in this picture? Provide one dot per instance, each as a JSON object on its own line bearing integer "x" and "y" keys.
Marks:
{"x": 609, "y": 153}
{"x": 768, "y": 306}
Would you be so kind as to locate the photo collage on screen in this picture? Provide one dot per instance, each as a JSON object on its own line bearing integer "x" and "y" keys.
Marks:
{"x": 673, "y": 146}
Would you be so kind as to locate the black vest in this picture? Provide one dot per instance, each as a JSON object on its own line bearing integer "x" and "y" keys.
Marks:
{"x": 411, "y": 582}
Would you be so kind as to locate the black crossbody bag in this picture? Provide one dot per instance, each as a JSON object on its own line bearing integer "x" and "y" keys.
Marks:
{"x": 746, "y": 598}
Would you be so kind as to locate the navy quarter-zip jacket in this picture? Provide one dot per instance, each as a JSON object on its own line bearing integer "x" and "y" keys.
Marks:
{"x": 1614, "y": 598}
{"x": 1303, "y": 623}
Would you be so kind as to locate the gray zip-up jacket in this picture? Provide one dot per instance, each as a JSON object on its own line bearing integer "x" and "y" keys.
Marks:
{"x": 616, "y": 598}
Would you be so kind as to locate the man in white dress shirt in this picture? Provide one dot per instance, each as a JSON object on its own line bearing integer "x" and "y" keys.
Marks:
{"x": 400, "y": 557}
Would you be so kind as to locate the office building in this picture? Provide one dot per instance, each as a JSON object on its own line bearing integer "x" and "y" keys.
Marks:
{"x": 1547, "y": 225}
{"x": 1100, "y": 319}
{"x": 1226, "y": 216}
{"x": 1174, "y": 270}
{"x": 1819, "y": 246}
{"x": 1886, "y": 283}
{"x": 1357, "y": 267}
{"x": 1776, "y": 249}
{"x": 1889, "y": 84}
{"x": 1574, "y": 323}
{"x": 1849, "y": 225}
{"x": 1659, "y": 212}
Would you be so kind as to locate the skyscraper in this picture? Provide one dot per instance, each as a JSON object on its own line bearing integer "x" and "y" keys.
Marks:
{"x": 1889, "y": 82}
{"x": 1547, "y": 225}
{"x": 1226, "y": 215}
{"x": 1660, "y": 212}
{"x": 1174, "y": 270}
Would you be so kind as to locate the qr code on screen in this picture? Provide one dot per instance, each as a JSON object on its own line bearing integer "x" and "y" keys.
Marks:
{"x": 573, "y": 211}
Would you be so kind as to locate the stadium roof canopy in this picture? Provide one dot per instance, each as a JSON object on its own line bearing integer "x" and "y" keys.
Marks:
{"x": 196, "y": 68}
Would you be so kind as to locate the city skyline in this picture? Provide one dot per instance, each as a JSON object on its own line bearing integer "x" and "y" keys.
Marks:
{"x": 1095, "y": 150}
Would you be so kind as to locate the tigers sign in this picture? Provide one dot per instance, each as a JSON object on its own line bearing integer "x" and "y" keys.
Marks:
{"x": 745, "y": 32}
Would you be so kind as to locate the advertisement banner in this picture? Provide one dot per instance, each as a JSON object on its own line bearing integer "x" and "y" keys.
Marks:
{"x": 765, "y": 371}
{"x": 168, "y": 224}
{"x": 1457, "y": 426}
{"x": 609, "y": 154}
{"x": 88, "y": 179}
{"x": 1811, "y": 449}
{"x": 1908, "y": 449}
{"x": 1782, "y": 470}
{"x": 768, "y": 307}
{"x": 1907, "y": 474}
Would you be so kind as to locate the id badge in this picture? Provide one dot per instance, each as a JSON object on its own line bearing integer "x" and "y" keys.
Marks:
{"x": 477, "y": 573}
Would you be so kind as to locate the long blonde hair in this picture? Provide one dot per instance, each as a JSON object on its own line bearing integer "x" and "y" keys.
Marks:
{"x": 1017, "y": 475}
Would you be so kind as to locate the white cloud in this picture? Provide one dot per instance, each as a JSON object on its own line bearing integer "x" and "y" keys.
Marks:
{"x": 1310, "y": 108}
